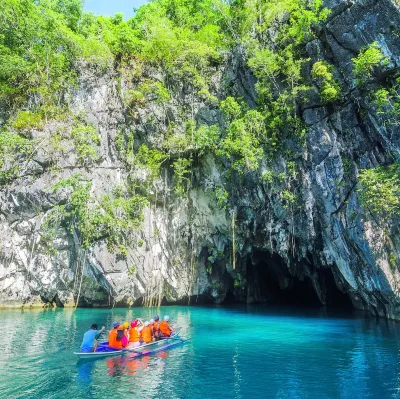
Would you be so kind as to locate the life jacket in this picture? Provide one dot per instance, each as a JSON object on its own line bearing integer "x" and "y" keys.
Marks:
{"x": 112, "y": 339}
{"x": 146, "y": 334}
{"x": 156, "y": 326}
{"x": 134, "y": 334}
{"x": 164, "y": 328}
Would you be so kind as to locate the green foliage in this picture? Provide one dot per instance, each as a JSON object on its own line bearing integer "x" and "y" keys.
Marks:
{"x": 369, "y": 58}
{"x": 134, "y": 98}
{"x": 230, "y": 108}
{"x": 243, "y": 141}
{"x": 380, "y": 189}
{"x": 288, "y": 198}
{"x": 181, "y": 169}
{"x": 13, "y": 148}
{"x": 222, "y": 197}
{"x": 154, "y": 91}
{"x": 279, "y": 59}
{"x": 26, "y": 120}
{"x": 151, "y": 160}
{"x": 329, "y": 88}
{"x": 193, "y": 139}
{"x": 206, "y": 138}
{"x": 85, "y": 138}
{"x": 132, "y": 271}
{"x": 110, "y": 217}
{"x": 268, "y": 176}
{"x": 387, "y": 102}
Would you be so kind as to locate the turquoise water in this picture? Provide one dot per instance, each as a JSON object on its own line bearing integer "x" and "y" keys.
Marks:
{"x": 240, "y": 352}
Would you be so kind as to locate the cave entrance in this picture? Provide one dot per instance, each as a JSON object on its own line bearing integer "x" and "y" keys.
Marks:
{"x": 268, "y": 281}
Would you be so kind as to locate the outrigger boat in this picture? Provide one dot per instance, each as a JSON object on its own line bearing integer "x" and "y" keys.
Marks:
{"x": 104, "y": 350}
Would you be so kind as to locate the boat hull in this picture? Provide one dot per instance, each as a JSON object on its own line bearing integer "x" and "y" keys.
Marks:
{"x": 97, "y": 355}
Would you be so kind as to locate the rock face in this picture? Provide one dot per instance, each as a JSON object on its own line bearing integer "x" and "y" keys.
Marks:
{"x": 324, "y": 246}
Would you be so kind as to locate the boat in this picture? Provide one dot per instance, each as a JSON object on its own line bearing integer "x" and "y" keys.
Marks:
{"x": 101, "y": 352}
{"x": 144, "y": 350}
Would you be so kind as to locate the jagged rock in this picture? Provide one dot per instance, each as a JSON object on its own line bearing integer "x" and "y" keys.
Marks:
{"x": 327, "y": 246}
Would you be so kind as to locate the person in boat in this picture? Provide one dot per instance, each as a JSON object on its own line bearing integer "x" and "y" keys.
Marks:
{"x": 165, "y": 329}
{"x": 89, "y": 343}
{"x": 134, "y": 334}
{"x": 145, "y": 333}
{"x": 156, "y": 327}
{"x": 125, "y": 338}
{"x": 121, "y": 340}
{"x": 112, "y": 337}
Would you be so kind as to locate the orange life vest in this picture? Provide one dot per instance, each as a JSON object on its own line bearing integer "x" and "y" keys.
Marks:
{"x": 146, "y": 334}
{"x": 112, "y": 339}
{"x": 164, "y": 328}
{"x": 156, "y": 326}
{"x": 154, "y": 329}
{"x": 133, "y": 334}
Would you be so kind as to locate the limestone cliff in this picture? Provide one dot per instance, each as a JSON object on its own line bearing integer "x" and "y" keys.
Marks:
{"x": 190, "y": 248}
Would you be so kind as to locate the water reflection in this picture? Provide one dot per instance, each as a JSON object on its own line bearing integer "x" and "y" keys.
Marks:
{"x": 84, "y": 379}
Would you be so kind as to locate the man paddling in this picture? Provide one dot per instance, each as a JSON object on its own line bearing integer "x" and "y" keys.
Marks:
{"x": 89, "y": 343}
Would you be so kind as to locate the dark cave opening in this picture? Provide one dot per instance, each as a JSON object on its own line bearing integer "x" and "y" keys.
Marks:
{"x": 268, "y": 281}
{"x": 335, "y": 298}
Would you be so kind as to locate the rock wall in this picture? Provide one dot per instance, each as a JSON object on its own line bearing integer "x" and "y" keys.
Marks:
{"x": 326, "y": 240}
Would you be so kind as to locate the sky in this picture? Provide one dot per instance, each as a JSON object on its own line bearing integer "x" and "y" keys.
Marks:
{"x": 110, "y": 7}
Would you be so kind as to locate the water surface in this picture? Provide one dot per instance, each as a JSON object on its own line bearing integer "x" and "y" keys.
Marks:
{"x": 238, "y": 352}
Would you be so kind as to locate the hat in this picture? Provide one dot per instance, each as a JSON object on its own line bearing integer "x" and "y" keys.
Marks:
{"x": 115, "y": 324}
{"x": 166, "y": 318}
{"x": 134, "y": 323}
{"x": 146, "y": 323}
{"x": 156, "y": 318}
{"x": 151, "y": 321}
{"x": 126, "y": 324}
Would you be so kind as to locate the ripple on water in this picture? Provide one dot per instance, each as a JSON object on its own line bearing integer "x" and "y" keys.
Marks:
{"x": 233, "y": 353}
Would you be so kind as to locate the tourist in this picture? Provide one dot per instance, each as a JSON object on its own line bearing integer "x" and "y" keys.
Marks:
{"x": 165, "y": 329}
{"x": 89, "y": 343}
{"x": 155, "y": 326}
{"x": 146, "y": 333}
{"x": 120, "y": 336}
{"x": 134, "y": 334}
{"x": 112, "y": 338}
{"x": 125, "y": 338}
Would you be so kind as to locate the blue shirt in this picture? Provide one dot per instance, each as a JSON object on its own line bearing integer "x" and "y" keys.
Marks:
{"x": 88, "y": 340}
